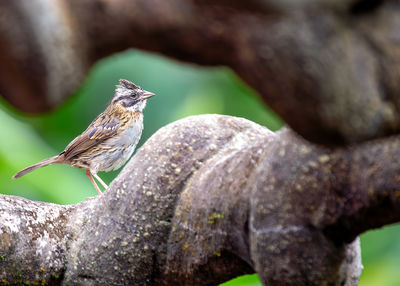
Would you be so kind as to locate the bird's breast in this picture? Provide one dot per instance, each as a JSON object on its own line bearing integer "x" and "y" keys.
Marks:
{"x": 119, "y": 148}
{"x": 130, "y": 134}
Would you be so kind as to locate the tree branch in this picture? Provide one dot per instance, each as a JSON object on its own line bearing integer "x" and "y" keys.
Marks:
{"x": 206, "y": 199}
{"x": 329, "y": 69}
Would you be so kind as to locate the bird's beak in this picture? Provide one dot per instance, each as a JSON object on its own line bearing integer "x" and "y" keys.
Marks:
{"x": 147, "y": 94}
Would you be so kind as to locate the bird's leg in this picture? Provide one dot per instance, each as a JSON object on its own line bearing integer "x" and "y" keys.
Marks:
{"x": 100, "y": 180}
{"x": 89, "y": 174}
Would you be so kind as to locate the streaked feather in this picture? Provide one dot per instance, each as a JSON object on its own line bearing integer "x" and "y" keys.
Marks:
{"x": 105, "y": 126}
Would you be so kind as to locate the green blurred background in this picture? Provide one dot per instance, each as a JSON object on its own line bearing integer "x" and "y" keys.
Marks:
{"x": 182, "y": 90}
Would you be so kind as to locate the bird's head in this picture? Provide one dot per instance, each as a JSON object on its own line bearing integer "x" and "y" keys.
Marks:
{"x": 131, "y": 96}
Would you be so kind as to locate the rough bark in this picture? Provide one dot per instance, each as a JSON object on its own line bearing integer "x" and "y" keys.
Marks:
{"x": 208, "y": 198}
{"x": 328, "y": 68}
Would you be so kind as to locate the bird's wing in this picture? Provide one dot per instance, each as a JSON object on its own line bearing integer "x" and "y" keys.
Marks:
{"x": 103, "y": 127}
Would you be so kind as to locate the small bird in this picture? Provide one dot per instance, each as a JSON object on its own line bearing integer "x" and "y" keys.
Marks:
{"x": 110, "y": 139}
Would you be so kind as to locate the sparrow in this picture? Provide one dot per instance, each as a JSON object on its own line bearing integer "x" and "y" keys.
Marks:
{"x": 109, "y": 140}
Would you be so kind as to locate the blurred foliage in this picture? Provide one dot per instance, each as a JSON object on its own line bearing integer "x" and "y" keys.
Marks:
{"x": 182, "y": 90}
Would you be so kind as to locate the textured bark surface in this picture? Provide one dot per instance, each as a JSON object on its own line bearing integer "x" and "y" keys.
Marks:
{"x": 330, "y": 69}
{"x": 206, "y": 199}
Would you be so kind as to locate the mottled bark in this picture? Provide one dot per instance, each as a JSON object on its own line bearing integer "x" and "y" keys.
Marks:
{"x": 328, "y": 68}
{"x": 206, "y": 199}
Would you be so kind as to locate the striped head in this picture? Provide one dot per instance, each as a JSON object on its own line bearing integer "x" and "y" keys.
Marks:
{"x": 131, "y": 96}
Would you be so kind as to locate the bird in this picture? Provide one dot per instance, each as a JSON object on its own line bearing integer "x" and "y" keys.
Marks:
{"x": 109, "y": 141}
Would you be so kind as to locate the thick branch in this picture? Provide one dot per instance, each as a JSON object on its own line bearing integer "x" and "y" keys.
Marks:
{"x": 206, "y": 199}
{"x": 329, "y": 68}
{"x": 33, "y": 241}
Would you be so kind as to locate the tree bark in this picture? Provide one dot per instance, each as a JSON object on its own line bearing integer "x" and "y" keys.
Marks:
{"x": 206, "y": 199}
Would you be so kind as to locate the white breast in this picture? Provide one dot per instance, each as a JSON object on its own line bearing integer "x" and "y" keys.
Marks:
{"x": 120, "y": 147}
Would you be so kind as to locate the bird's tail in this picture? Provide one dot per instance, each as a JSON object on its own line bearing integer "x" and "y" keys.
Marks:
{"x": 38, "y": 165}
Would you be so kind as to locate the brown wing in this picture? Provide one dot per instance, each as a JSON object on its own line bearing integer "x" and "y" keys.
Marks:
{"x": 100, "y": 129}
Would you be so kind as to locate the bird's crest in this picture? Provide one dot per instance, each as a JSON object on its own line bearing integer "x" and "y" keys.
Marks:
{"x": 123, "y": 83}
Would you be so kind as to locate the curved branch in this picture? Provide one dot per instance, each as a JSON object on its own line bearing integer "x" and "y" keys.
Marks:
{"x": 206, "y": 199}
{"x": 329, "y": 68}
